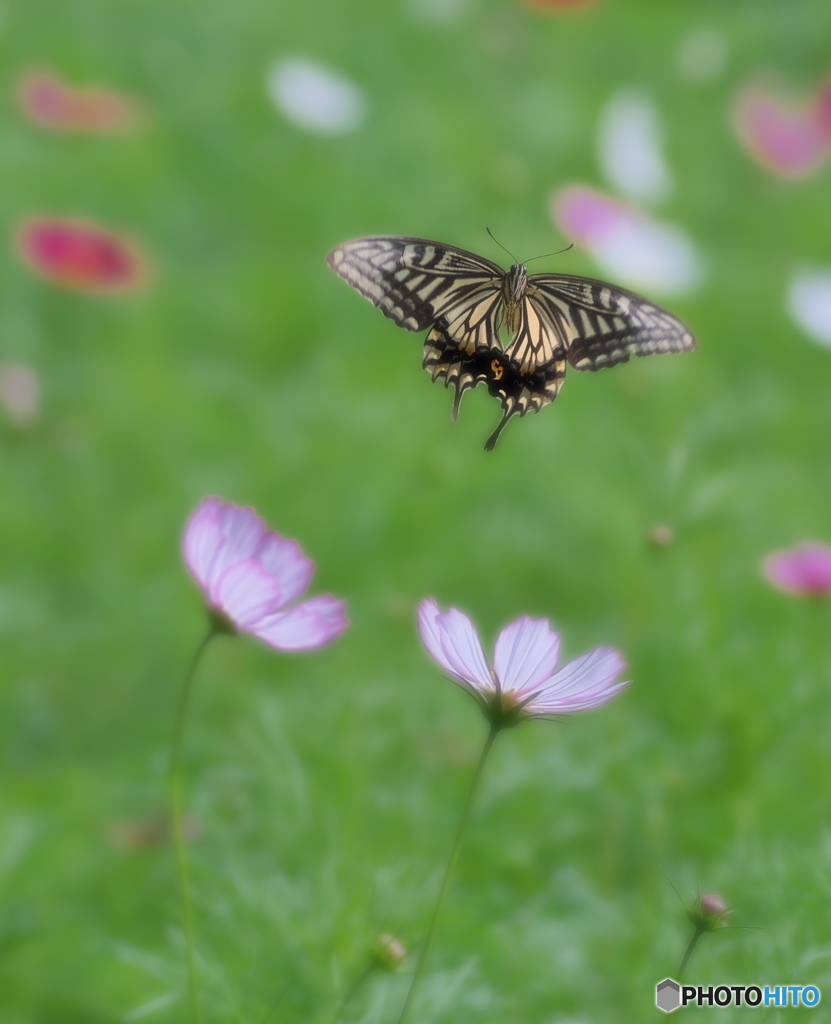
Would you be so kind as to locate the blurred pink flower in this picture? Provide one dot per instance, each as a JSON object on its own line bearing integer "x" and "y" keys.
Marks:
{"x": 822, "y": 110}
{"x": 785, "y": 138}
{"x": 522, "y": 682}
{"x": 626, "y": 243}
{"x": 20, "y": 394}
{"x": 803, "y": 570}
{"x": 249, "y": 575}
{"x": 80, "y": 255}
{"x": 50, "y": 102}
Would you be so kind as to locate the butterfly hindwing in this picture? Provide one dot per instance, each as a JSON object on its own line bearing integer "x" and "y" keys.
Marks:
{"x": 604, "y": 325}
{"x": 519, "y": 390}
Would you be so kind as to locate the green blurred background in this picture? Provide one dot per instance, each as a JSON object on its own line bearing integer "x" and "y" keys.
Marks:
{"x": 325, "y": 787}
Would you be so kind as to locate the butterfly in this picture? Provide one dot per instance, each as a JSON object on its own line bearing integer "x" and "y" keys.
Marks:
{"x": 466, "y": 301}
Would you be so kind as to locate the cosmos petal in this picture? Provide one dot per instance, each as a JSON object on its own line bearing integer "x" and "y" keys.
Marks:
{"x": 452, "y": 642}
{"x": 306, "y": 626}
{"x": 585, "y": 682}
{"x": 243, "y": 531}
{"x": 246, "y": 593}
{"x": 283, "y": 558}
{"x": 525, "y": 654}
{"x": 203, "y": 537}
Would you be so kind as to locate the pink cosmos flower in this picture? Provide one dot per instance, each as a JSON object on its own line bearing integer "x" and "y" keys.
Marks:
{"x": 627, "y": 244}
{"x": 80, "y": 255}
{"x": 51, "y": 103}
{"x": 803, "y": 570}
{"x": 822, "y": 109}
{"x": 249, "y": 575}
{"x": 785, "y": 138}
{"x": 522, "y": 682}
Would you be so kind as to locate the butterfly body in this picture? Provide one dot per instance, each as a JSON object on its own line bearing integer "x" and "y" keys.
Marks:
{"x": 467, "y": 301}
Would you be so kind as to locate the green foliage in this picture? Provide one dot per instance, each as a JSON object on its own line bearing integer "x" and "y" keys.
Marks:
{"x": 325, "y": 787}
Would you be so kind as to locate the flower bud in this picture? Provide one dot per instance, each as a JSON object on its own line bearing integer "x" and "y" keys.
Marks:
{"x": 709, "y": 912}
{"x": 661, "y": 535}
{"x": 388, "y": 952}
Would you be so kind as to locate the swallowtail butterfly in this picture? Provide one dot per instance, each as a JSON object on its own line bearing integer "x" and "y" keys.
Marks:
{"x": 466, "y": 301}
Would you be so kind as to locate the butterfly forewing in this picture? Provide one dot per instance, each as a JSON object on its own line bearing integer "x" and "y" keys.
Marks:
{"x": 414, "y": 281}
{"x": 605, "y": 325}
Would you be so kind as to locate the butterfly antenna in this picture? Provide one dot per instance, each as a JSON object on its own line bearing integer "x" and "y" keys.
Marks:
{"x": 501, "y": 246}
{"x": 557, "y": 253}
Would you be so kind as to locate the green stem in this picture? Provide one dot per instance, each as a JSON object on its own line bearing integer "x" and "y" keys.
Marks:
{"x": 695, "y": 937}
{"x": 448, "y": 871}
{"x": 175, "y": 795}
{"x": 353, "y": 988}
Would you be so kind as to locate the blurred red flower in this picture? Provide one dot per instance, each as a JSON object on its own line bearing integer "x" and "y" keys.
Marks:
{"x": 81, "y": 255}
{"x": 50, "y": 102}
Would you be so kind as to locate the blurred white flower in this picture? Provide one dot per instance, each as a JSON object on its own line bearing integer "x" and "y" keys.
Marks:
{"x": 809, "y": 302}
{"x": 629, "y": 147}
{"x": 702, "y": 55}
{"x": 314, "y": 97}
{"x": 627, "y": 244}
{"x": 437, "y": 12}
{"x": 20, "y": 394}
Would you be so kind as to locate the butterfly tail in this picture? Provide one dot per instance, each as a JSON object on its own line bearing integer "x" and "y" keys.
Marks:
{"x": 457, "y": 401}
{"x": 490, "y": 444}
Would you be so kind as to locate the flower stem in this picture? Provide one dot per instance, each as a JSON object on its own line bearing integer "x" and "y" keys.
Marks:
{"x": 176, "y": 825}
{"x": 448, "y": 871}
{"x": 353, "y": 988}
{"x": 692, "y": 943}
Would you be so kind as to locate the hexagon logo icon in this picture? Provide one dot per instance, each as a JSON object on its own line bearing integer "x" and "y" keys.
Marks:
{"x": 667, "y": 995}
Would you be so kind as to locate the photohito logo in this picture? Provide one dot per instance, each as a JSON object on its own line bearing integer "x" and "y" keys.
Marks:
{"x": 669, "y": 995}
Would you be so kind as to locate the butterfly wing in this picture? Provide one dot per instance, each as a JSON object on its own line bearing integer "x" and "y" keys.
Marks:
{"x": 602, "y": 325}
{"x": 415, "y": 282}
{"x": 420, "y": 284}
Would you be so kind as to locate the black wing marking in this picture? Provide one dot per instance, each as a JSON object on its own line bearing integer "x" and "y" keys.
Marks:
{"x": 603, "y": 325}
{"x": 414, "y": 282}
{"x": 519, "y": 391}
